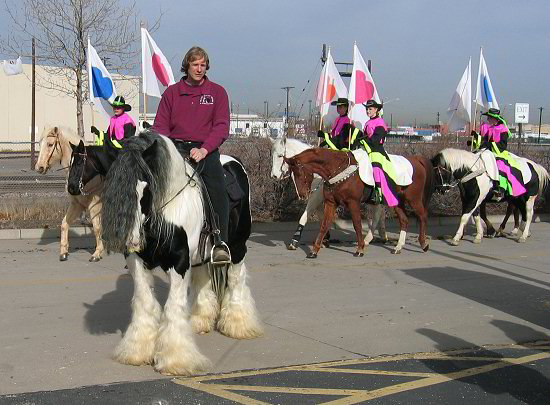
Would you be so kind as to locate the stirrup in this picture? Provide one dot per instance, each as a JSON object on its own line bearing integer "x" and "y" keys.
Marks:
{"x": 226, "y": 260}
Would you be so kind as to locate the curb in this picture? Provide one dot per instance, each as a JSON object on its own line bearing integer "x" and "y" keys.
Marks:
{"x": 259, "y": 227}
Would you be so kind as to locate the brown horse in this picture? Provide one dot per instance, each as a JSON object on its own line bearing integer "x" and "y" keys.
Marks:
{"x": 350, "y": 190}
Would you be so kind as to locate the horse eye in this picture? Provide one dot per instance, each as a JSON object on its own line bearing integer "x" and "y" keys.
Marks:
{"x": 50, "y": 145}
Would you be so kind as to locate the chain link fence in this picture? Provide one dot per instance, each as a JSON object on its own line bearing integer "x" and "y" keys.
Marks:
{"x": 30, "y": 199}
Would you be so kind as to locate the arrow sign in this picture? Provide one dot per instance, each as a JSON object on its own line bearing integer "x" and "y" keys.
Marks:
{"x": 522, "y": 113}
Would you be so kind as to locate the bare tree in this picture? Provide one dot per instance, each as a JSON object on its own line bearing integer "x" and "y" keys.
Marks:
{"x": 61, "y": 29}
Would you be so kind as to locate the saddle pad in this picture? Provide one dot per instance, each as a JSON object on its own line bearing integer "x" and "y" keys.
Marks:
{"x": 365, "y": 166}
{"x": 403, "y": 170}
{"x": 490, "y": 163}
{"x": 524, "y": 166}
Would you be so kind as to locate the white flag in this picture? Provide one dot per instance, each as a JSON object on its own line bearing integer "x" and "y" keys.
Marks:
{"x": 361, "y": 88}
{"x": 101, "y": 85}
{"x": 460, "y": 108}
{"x": 485, "y": 96}
{"x": 154, "y": 66}
{"x": 13, "y": 67}
{"x": 330, "y": 86}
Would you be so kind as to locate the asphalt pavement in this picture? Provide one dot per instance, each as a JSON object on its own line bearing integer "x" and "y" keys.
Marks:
{"x": 339, "y": 329}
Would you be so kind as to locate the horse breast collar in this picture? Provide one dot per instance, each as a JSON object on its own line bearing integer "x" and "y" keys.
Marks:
{"x": 343, "y": 175}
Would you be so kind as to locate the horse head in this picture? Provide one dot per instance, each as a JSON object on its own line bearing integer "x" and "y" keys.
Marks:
{"x": 77, "y": 172}
{"x": 51, "y": 151}
{"x": 301, "y": 176}
{"x": 278, "y": 153}
{"x": 443, "y": 173}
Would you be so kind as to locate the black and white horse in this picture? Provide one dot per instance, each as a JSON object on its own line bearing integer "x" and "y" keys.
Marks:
{"x": 153, "y": 212}
{"x": 467, "y": 171}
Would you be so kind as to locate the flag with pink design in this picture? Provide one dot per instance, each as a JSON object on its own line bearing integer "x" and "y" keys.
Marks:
{"x": 330, "y": 87}
{"x": 361, "y": 87}
{"x": 154, "y": 66}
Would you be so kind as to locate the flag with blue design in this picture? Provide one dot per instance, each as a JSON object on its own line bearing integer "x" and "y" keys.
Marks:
{"x": 101, "y": 84}
{"x": 485, "y": 96}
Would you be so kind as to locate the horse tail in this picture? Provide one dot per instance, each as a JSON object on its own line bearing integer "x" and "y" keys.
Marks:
{"x": 120, "y": 202}
{"x": 429, "y": 186}
{"x": 544, "y": 177}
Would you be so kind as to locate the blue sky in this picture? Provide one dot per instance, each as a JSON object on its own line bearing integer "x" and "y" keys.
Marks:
{"x": 419, "y": 49}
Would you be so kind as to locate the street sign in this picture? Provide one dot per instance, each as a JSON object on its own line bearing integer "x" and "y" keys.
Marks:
{"x": 522, "y": 113}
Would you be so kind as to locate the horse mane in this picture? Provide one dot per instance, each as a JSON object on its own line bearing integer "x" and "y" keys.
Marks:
{"x": 456, "y": 159}
{"x": 65, "y": 133}
{"x": 294, "y": 144}
{"x": 119, "y": 201}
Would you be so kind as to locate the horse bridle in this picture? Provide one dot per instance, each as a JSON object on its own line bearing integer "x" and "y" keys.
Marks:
{"x": 85, "y": 158}
{"x": 55, "y": 145}
{"x": 283, "y": 175}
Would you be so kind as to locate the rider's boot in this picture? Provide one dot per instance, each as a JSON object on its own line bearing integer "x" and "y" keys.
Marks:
{"x": 220, "y": 255}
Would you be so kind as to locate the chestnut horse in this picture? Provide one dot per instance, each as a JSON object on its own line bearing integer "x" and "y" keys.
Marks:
{"x": 350, "y": 191}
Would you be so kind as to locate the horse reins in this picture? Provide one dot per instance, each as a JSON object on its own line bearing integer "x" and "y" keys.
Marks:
{"x": 80, "y": 183}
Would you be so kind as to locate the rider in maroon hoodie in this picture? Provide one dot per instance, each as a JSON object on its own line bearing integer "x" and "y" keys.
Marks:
{"x": 195, "y": 112}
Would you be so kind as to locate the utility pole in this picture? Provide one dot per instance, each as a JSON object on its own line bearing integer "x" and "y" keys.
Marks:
{"x": 287, "y": 88}
{"x": 309, "y": 121}
{"x": 33, "y": 106}
{"x": 540, "y": 120}
{"x": 266, "y": 109}
{"x": 438, "y": 122}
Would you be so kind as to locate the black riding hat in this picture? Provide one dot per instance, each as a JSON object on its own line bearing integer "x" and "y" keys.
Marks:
{"x": 495, "y": 113}
{"x": 120, "y": 102}
{"x": 373, "y": 103}
{"x": 341, "y": 101}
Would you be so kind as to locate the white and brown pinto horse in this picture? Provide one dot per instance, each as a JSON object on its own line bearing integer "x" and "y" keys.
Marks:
{"x": 55, "y": 148}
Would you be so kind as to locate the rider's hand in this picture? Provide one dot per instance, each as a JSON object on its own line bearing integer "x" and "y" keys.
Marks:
{"x": 473, "y": 133}
{"x": 320, "y": 134}
{"x": 94, "y": 130}
{"x": 469, "y": 143}
{"x": 198, "y": 154}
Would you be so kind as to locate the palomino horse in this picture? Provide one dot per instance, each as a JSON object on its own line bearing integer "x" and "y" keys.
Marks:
{"x": 349, "y": 191}
{"x": 55, "y": 148}
{"x": 288, "y": 147}
{"x": 457, "y": 167}
{"x": 153, "y": 212}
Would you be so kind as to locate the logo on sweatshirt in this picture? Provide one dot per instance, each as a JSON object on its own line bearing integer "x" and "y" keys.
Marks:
{"x": 206, "y": 99}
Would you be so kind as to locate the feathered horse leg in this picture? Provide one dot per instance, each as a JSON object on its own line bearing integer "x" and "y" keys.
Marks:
{"x": 205, "y": 307}
{"x": 238, "y": 315}
{"x": 137, "y": 345}
{"x": 176, "y": 352}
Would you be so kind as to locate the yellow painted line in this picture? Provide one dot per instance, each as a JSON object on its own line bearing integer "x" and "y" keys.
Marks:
{"x": 355, "y": 396}
{"x": 213, "y": 389}
{"x": 63, "y": 280}
{"x": 370, "y": 372}
{"x": 426, "y": 382}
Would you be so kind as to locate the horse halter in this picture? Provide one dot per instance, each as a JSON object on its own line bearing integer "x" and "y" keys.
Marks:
{"x": 85, "y": 158}
{"x": 287, "y": 174}
{"x": 445, "y": 186}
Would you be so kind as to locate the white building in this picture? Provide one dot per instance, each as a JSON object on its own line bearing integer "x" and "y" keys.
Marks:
{"x": 246, "y": 125}
{"x": 51, "y": 107}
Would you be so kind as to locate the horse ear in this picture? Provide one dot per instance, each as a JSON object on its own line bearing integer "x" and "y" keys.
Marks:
{"x": 80, "y": 148}
{"x": 73, "y": 147}
{"x": 55, "y": 130}
{"x": 150, "y": 153}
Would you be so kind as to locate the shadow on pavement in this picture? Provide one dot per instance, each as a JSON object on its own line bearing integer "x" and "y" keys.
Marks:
{"x": 521, "y": 382}
{"x": 111, "y": 313}
{"x": 522, "y": 300}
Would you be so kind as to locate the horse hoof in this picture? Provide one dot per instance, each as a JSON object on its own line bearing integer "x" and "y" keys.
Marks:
{"x": 311, "y": 255}
{"x": 454, "y": 242}
{"x": 522, "y": 240}
{"x": 358, "y": 254}
{"x": 292, "y": 245}
{"x": 326, "y": 243}
{"x": 426, "y": 248}
{"x": 63, "y": 257}
{"x": 492, "y": 234}
{"x": 396, "y": 252}
{"x": 478, "y": 241}
{"x": 94, "y": 259}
